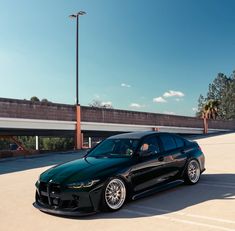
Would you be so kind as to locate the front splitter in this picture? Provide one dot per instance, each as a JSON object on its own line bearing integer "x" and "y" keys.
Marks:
{"x": 63, "y": 212}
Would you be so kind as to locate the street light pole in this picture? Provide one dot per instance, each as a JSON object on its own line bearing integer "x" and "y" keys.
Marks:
{"x": 77, "y": 64}
{"x": 73, "y": 16}
{"x": 78, "y": 134}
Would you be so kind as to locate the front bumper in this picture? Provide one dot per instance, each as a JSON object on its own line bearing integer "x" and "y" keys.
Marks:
{"x": 55, "y": 199}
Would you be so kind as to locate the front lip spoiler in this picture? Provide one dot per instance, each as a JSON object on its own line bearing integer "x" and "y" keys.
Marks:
{"x": 63, "y": 212}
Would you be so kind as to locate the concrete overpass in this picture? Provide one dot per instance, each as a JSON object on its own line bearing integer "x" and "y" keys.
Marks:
{"x": 22, "y": 117}
{"x": 16, "y": 126}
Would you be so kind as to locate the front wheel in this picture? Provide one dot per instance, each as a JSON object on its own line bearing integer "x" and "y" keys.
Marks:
{"x": 192, "y": 172}
{"x": 114, "y": 195}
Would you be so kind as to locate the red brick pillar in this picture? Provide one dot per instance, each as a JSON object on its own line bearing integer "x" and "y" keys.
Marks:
{"x": 79, "y": 135}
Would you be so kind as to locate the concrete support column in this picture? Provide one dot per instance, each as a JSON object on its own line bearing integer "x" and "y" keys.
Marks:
{"x": 37, "y": 143}
{"x": 89, "y": 142}
{"x": 78, "y": 135}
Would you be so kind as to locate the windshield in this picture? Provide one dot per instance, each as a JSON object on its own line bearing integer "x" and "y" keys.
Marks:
{"x": 115, "y": 147}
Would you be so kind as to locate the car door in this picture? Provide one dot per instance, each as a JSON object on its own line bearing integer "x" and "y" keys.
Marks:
{"x": 173, "y": 154}
{"x": 147, "y": 169}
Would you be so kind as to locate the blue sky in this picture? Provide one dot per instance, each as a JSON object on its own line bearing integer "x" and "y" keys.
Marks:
{"x": 147, "y": 55}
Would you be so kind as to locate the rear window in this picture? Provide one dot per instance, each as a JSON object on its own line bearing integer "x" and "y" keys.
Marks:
{"x": 179, "y": 142}
{"x": 168, "y": 142}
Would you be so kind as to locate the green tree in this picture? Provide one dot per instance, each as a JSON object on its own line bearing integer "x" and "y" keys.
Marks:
{"x": 56, "y": 143}
{"x": 28, "y": 141}
{"x": 230, "y": 98}
{"x": 221, "y": 91}
{"x": 201, "y": 102}
{"x": 4, "y": 144}
{"x": 210, "y": 109}
{"x": 99, "y": 104}
{"x": 45, "y": 101}
{"x": 34, "y": 99}
{"x": 47, "y": 143}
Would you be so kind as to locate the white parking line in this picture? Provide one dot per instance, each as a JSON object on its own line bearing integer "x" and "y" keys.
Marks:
{"x": 178, "y": 220}
{"x": 186, "y": 214}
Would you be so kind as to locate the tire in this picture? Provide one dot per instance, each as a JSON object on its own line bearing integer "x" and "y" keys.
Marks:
{"x": 192, "y": 172}
{"x": 114, "y": 195}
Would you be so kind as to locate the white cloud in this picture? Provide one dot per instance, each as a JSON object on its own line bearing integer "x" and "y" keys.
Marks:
{"x": 159, "y": 100}
{"x": 194, "y": 109}
{"x": 136, "y": 105}
{"x": 172, "y": 93}
{"x": 125, "y": 85}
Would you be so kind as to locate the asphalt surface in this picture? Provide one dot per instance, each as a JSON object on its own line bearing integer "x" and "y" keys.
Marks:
{"x": 209, "y": 205}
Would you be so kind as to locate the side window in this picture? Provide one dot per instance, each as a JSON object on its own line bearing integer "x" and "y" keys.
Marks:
{"x": 179, "y": 142}
{"x": 168, "y": 142}
{"x": 150, "y": 144}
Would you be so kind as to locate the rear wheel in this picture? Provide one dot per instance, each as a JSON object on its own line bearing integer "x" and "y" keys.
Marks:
{"x": 192, "y": 172}
{"x": 114, "y": 195}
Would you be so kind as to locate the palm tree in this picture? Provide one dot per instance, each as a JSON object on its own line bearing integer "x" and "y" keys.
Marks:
{"x": 209, "y": 111}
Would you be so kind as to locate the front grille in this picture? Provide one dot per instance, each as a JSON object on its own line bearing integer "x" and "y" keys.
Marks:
{"x": 49, "y": 195}
{"x": 54, "y": 188}
{"x": 43, "y": 186}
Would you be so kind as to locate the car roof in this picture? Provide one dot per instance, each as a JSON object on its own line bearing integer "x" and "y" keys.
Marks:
{"x": 134, "y": 135}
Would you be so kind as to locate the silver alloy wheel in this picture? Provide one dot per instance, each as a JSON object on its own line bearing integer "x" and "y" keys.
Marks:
{"x": 115, "y": 194}
{"x": 194, "y": 171}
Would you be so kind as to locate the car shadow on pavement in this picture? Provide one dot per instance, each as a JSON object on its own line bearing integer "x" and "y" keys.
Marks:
{"x": 210, "y": 187}
{"x": 10, "y": 165}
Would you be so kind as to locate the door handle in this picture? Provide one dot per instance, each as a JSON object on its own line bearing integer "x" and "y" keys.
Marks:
{"x": 160, "y": 158}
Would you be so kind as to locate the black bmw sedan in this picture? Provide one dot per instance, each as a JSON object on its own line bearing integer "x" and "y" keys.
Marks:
{"x": 122, "y": 167}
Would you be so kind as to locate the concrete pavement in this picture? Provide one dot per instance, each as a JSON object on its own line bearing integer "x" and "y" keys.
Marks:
{"x": 209, "y": 205}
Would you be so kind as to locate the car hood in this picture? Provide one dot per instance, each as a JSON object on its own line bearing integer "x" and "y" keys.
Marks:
{"x": 87, "y": 168}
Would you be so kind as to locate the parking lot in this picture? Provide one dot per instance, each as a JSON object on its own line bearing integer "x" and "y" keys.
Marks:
{"x": 209, "y": 205}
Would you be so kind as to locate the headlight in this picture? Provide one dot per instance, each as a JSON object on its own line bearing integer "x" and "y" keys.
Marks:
{"x": 82, "y": 184}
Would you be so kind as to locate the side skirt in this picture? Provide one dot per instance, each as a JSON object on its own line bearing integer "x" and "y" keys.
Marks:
{"x": 157, "y": 189}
